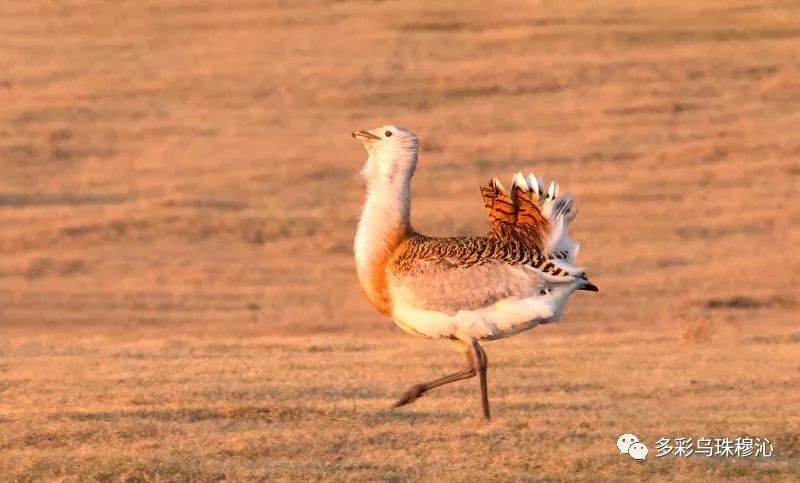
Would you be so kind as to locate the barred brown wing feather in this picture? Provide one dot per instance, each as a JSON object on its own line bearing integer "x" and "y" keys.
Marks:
{"x": 499, "y": 207}
{"x": 516, "y": 216}
{"x": 531, "y": 225}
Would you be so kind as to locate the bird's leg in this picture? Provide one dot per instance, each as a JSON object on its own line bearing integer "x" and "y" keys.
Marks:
{"x": 482, "y": 363}
{"x": 418, "y": 390}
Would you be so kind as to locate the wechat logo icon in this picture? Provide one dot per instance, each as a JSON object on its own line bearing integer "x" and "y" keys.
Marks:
{"x": 630, "y": 445}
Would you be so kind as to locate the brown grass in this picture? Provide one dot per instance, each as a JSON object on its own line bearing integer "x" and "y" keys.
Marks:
{"x": 698, "y": 331}
{"x": 178, "y": 196}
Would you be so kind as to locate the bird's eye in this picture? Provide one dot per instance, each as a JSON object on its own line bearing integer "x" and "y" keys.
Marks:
{"x": 388, "y": 134}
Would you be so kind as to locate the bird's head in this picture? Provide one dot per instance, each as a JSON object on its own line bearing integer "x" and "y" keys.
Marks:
{"x": 392, "y": 153}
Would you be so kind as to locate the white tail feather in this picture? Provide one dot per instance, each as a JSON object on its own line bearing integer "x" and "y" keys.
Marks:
{"x": 560, "y": 212}
{"x": 552, "y": 193}
{"x": 519, "y": 181}
{"x": 498, "y": 185}
{"x": 534, "y": 185}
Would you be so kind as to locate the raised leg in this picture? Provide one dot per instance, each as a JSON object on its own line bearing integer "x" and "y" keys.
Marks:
{"x": 477, "y": 363}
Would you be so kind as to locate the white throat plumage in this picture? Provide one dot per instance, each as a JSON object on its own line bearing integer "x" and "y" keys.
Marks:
{"x": 385, "y": 219}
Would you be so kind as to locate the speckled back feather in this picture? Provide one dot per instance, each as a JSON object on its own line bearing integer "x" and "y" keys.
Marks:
{"x": 467, "y": 251}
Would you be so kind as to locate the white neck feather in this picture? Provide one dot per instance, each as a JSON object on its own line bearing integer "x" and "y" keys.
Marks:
{"x": 384, "y": 223}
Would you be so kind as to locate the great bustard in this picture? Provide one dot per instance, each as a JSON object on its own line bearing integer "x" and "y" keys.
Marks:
{"x": 467, "y": 288}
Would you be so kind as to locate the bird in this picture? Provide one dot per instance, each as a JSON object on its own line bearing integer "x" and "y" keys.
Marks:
{"x": 466, "y": 289}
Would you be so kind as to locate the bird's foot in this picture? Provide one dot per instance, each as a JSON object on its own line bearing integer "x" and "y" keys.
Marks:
{"x": 410, "y": 396}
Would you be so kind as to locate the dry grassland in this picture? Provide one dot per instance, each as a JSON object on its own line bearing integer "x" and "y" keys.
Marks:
{"x": 179, "y": 193}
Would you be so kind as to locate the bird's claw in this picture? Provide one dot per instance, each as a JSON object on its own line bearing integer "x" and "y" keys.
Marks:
{"x": 410, "y": 396}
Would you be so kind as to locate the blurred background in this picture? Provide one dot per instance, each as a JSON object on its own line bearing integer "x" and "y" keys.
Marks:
{"x": 179, "y": 194}
{"x": 189, "y": 163}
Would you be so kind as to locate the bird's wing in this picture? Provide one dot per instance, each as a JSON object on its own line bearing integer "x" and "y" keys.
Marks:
{"x": 468, "y": 273}
{"x": 536, "y": 217}
{"x": 448, "y": 288}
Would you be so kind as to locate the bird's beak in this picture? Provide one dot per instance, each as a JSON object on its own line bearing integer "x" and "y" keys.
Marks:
{"x": 364, "y": 135}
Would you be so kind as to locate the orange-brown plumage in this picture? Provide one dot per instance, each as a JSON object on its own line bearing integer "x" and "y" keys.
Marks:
{"x": 516, "y": 216}
{"x": 376, "y": 288}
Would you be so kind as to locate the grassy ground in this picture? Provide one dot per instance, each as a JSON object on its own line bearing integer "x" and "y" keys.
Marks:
{"x": 179, "y": 193}
{"x": 317, "y": 407}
